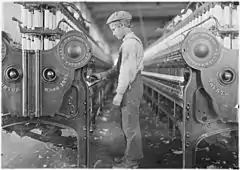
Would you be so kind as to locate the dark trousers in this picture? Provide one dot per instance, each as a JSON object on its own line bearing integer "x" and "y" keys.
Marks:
{"x": 130, "y": 119}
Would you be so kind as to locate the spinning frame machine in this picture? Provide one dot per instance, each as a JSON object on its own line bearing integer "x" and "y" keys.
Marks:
{"x": 191, "y": 76}
{"x": 47, "y": 83}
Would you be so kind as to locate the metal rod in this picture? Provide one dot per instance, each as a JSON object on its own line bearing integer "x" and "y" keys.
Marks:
{"x": 166, "y": 87}
{"x": 37, "y": 83}
{"x": 174, "y": 115}
{"x": 24, "y": 65}
{"x": 25, "y": 83}
{"x": 38, "y": 64}
{"x": 147, "y": 83}
{"x": 164, "y": 76}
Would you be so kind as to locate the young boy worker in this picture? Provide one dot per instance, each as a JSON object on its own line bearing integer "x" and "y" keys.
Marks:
{"x": 129, "y": 90}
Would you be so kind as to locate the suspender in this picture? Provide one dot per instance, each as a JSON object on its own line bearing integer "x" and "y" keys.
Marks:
{"x": 120, "y": 61}
{"x": 120, "y": 53}
{"x": 116, "y": 69}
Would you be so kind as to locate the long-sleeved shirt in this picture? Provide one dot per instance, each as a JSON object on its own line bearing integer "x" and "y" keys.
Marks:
{"x": 131, "y": 63}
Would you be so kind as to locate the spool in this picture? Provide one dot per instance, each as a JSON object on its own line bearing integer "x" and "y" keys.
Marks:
{"x": 46, "y": 18}
{"x": 37, "y": 43}
{"x": 54, "y": 21}
{"x": 58, "y": 13}
{"x": 24, "y": 23}
{"x": 23, "y": 16}
{"x": 33, "y": 43}
{"x": 29, "y": 19}
{"x": 36, "y": 21}
{"x": 50, "y": 21}
{"x": 40, "y": 18}
{"x": 28, "y": 46}
{"x": 235, "y": 18}
{"x": 227, "y": 41}
{"x": 235, "y": 41}
{"x": 29, "y": 26}
{"x": 218, "y": 13}
{"x": 227, "y": 16}
{"x": 238, "y": 13}
{"x": 46, "y": 44}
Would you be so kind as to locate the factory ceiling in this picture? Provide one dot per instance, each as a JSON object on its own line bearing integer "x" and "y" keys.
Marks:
{"x": 148, "y": 18}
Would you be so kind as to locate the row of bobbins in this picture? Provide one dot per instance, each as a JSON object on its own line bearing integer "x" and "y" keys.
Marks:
{"x": 226, "y": 15}
{"x": 44, "y": 18}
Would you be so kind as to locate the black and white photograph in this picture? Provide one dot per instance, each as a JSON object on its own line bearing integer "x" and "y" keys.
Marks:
{"x": 120, "y": 84}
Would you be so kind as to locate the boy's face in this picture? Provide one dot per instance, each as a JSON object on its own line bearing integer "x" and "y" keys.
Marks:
{"x": 117, "y": 29}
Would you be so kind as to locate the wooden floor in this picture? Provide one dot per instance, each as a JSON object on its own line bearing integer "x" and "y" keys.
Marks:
{"x": 160, "y": 151}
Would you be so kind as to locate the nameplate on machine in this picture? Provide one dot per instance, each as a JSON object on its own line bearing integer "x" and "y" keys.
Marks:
{"x": 10, "y": 89}
{"x": 61, "y": 85}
